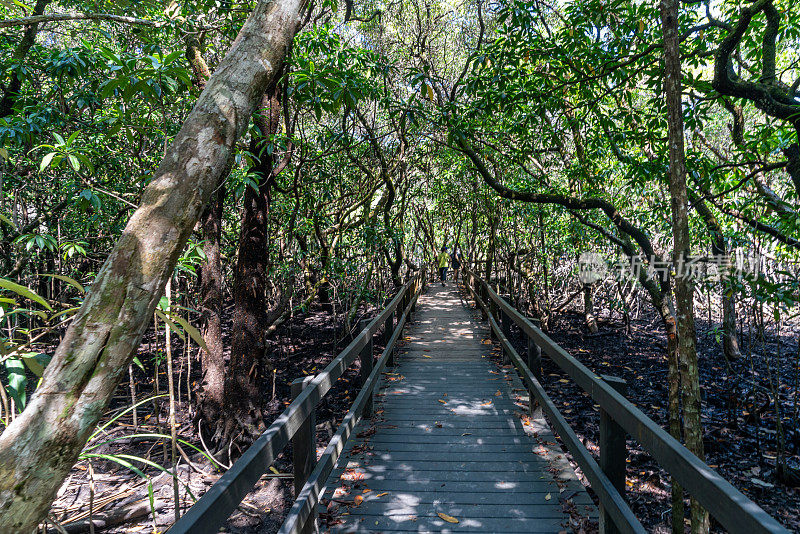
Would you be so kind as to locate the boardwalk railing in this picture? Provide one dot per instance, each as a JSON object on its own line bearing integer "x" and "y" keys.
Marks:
{"x": 725, "y": 503}
{"x": 296, "y": 423}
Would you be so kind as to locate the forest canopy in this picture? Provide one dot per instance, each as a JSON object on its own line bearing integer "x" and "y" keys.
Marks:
{"x": 203, "y": 175}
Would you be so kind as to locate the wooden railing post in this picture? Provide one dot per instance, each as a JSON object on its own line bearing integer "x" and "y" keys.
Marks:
{"x": 304, "y": 449}
{"x": 493, "y": 312}
{"x": 388, "y": 332}
{"x": 398, "y": 314}
{"x": 534, "y": 362}
{"x": 505, "y": 326}
{"x": 506, "y": 320}
{"x": 367, "y": 361}
{"x": 613, "y": 453}
{"x": 484, "y": 296}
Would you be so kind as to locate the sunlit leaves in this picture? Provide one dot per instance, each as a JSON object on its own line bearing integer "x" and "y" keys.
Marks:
{"x": 329, "y": 75}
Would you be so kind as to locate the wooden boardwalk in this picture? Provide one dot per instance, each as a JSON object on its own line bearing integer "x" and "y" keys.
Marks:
{"x": 448, "y": 438}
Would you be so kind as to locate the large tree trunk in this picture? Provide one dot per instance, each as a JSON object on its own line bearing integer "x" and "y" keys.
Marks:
{"x": 212, "y": 386}
{"x": 684, "y": 287}
{"x": 250, "y": 281}
{"x": 40, "y": 447}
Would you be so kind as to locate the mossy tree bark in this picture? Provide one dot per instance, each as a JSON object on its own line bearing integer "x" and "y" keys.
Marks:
{"x": 684, "y": 286}
{"x": 40, "y": 447}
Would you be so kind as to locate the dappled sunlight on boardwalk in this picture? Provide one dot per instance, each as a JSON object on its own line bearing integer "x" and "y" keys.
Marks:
{"x": 447, "y": 443}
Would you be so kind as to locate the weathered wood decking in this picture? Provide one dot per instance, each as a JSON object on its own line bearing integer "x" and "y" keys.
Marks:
{"x": 448, "y": 438}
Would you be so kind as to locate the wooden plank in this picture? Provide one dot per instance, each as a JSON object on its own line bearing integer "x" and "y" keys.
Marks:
{"x": 545, "y": 501}
{"x": 444, "y": 425}
{"x": 368, "y": 474}
{"x": 500, "y": 488}
{"x": 486, "y": 448}
{"x": 435, "y": 460}
{"x": 428, "y": 440}
{"x": 544, "y": 510}
{"x": 434, "y": 524}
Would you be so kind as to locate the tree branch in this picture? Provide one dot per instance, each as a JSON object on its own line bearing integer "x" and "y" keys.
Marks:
{"x": 59, "y": 17}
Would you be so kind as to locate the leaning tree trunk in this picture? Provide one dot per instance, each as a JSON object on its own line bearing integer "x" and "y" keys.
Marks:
{"x": 40, "y": 447}
{"x": 684, "y": 287}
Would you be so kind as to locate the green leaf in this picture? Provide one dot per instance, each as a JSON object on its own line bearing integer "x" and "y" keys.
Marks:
{"x": 59, "y": 139}
{"x": 71, "y": 281}
{"x": 7, "y": 221}
{"x": 19, "y": 4}
{"x": 23, "y": 292}
{"x": 68, "y": 311}
{"x": 46, "y": 161}
{"x": 36, "y": 362}
{"x": 192, "y": 331}
{"x": 73, "y": 161}
{"x": 17, "y": 380}
{"x": 115, "y": 459}
{"x": 172, "y": 326}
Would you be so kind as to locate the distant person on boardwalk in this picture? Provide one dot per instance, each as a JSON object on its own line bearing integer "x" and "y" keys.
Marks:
{"x": 443, "y": 260}
{"x": 455, "y": 263}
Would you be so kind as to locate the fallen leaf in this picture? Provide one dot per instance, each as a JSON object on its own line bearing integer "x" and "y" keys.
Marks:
{"x": 448, "y": 518}
{"x": 548, "y": 497}
{"x": 382, "y": 494}
{"x": 272, "y": 468}
{"x": 358, "y": 500}
{"x": 442, "y": 401}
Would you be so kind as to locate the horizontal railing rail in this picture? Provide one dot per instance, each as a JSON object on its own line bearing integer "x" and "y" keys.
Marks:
{"x": 216, "y": 505}
{"x": 725, "y": 503}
